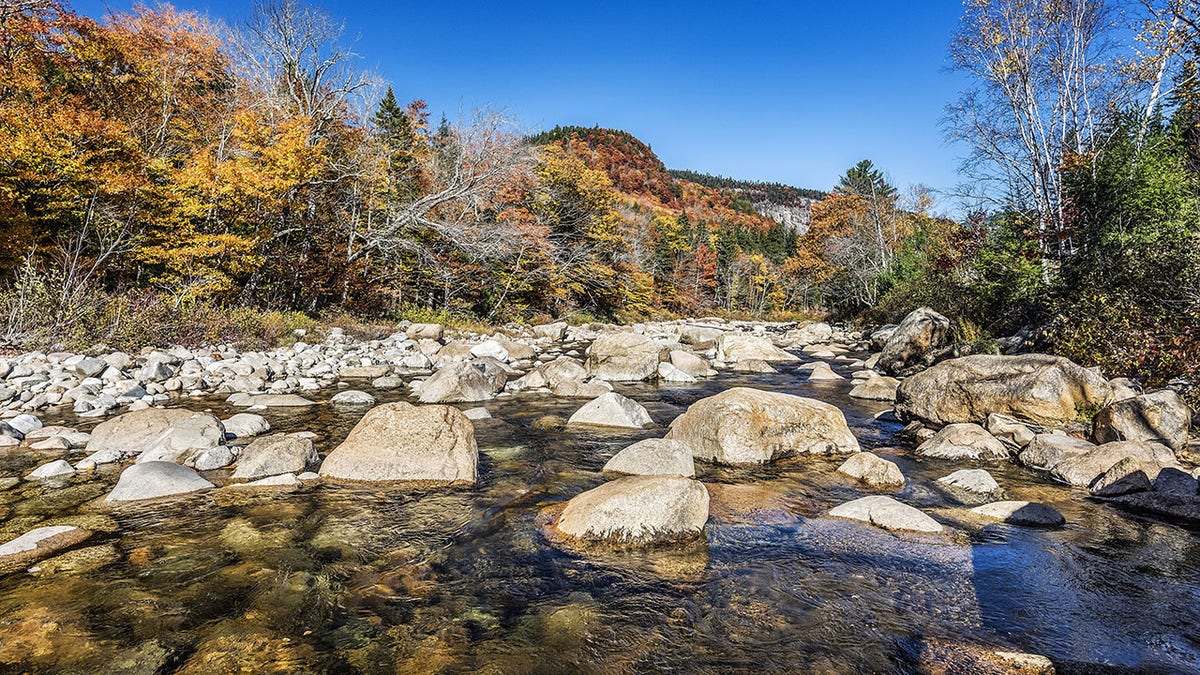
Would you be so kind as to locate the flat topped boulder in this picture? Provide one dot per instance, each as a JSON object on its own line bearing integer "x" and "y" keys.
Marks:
{"x": 1048, "y": 390}
{"x": 613, "y": 410}
{"x": 639, "y": 510}
{"x": 153, "y": 434}
{"x": 1030, "y": 514}
{"x": 271, "y": 401}
{"x": 887, "y": 513}
{"x": 734, "y": 347}
{"x": 623, "y": 357}
{"x": 750, "y": 426}
{"x": 152, "y": 480}
{"x": 654, "y": 456}
{"x": 1080, "y": 463}
{"x": 403, "y": 442}
{"x": 963, "y": 441}
{"x": 37, "y": 544}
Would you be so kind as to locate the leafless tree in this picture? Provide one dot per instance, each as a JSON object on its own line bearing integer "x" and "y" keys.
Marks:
{"x": 294, "y": 54}
{"x": 464, "y": 172}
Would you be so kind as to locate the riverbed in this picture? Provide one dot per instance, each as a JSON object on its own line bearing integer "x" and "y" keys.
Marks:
{"x": 343, "y": 579}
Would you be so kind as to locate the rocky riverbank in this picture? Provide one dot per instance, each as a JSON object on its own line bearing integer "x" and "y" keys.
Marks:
{"x": 145, "y": 419}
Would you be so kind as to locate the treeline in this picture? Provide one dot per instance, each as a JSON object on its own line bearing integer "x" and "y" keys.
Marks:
{"x": 755, "y": 191}
{"x": 166, "y": 179}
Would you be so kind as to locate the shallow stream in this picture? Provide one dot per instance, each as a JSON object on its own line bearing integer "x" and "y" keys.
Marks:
{"x": 382, "y": 580}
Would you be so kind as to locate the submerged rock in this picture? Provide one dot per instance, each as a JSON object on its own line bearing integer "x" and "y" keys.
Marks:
{"x": 654, "y": 456}
{"x": 887, "y": 513}
{"x": 403, "y": 442}
{"x": 55, "y": 469}
{"x": 638, "y": 509}
{"x": 613, "y": 410}
{"x": 352, "y": 397}
{"x": 37, "y": 544}
{"x": 271, "y": 401}
{"x": 872, "y": 470}
{"x": 749, "y": 426}
{"x": 1048, "y": 390}
{"x": 150, "y": 480}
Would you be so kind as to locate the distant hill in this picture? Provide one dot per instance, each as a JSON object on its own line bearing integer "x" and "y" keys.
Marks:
{"x": 636, "y": 171}
{"x": 632, "y": 165}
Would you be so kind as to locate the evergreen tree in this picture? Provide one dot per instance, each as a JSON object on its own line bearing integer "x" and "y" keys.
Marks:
{"x": 399, "y": 137}
{"x": 865, "y": 180}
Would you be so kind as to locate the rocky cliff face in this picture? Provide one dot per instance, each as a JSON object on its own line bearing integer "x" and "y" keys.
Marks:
{"x": 795, "y": 217}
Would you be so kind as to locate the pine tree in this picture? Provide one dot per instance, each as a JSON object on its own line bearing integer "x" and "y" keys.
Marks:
{"x": 403, "y": 145}
{"x": 864, "y": 180}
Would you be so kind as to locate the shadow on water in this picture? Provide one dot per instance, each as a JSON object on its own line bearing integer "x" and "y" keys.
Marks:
{"x": 368, "y": 579}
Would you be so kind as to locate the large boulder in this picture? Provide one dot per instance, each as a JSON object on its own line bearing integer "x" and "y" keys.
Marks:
{"x": 749, "y": 426}
{"x": 1080, "y": 463}
{"x": 623, "y": 357}
{"x": 700, "y": 336}
{"x": 653, "y": 457}
{"x": 691, "y": 364}
{"x": 734, "y": 347}
{"x": 403, "y": 442}
{"x": 887, "y": 513}
{"x": 638, "y": 509}
{"x": 151, "y": 480}
{"x": 275, "y": 455}
{"x": 612, "y": 410}
{"x": 464, "y": 381}
{"x": 171, "y": 435}
{"x": 963, "y": 441}
{"x": 911, "y": 347}
{"x": 1162, "y": 416}
{"x": 1043, "y": 389}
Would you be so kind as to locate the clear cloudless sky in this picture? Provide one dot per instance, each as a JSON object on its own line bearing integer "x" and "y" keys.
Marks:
{"x": 793, "y": 92}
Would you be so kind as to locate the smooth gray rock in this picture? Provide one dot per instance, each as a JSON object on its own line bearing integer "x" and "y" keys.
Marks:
{"x": 887, "y": 513}
{"x": 963, "y": 441}
{"x": 623, "y": 357}
{"x": 352, "y": 397}
{"x": 1162, "y": 417}
{"x": 1031, "y": 514}
{"x": 152, "y": 480}
{"x": 654, "y": 456}
{"x": 971, "y": 480}
{"x": 245, "y": 425}
{"x": 872, "y": 470}
{"x": 638, "y": 509}
{"x": 912, "y": 345}
{"x": 274, "y": 455}
{"x": 613, "y": 410}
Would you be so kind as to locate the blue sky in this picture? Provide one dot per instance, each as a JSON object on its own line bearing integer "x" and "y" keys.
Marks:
{"x": 793, "y": 92}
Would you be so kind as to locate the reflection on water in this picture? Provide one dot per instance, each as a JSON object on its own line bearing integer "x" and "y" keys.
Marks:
{"x": 356, "y": 579}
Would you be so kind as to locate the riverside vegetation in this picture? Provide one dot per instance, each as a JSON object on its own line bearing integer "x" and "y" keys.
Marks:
{"x": 296, "y": 381}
